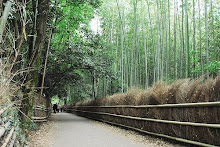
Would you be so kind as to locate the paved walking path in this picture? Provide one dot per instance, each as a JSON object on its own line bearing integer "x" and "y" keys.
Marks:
{"x": 75, "y": 131}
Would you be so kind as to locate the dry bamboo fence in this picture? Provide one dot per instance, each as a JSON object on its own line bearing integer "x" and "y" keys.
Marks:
{"x": 192, "y": 123}
{"x": 8, "y": 135}
{"x": 41, "y": 114}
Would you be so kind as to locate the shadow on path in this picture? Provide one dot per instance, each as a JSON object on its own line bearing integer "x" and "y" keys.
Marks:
{"x": 66, "y": 117}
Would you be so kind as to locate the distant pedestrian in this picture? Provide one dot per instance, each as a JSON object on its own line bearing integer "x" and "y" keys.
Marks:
{"x": 58, "y": 108}
{"x": 54, "y": 108}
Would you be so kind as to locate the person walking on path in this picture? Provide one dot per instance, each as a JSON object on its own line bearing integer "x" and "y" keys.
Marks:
{"x": 54, "y": 108}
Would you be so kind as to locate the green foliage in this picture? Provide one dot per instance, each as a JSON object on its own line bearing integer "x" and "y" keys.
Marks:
{"x": 57, "y": 100}
{"x": 213, "y": 67}
{"x": 81, "y": 62}
{"x": 33, "y": 126}
{"x": 80, "y": 92}
{"x": 75, "y": 63}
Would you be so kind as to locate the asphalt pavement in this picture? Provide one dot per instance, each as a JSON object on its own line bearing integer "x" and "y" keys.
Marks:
{"x": 75, "y": 131}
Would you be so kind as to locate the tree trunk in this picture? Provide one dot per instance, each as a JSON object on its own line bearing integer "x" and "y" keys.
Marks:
{"x": 207, "y": 38}
{"x": 187, "y": 41}
{"x": 122, "y": 46}
{"x": 169, "y": 48}
{"x": 200, "y": 40}
{"x": 194, "y": 39}
{"x": 134, "y": 44}
{"x": 174, "y": 48}
{"x": 93, "y": 85}
{"x": 35, "y": 60}
{"x": 146, "y": 55}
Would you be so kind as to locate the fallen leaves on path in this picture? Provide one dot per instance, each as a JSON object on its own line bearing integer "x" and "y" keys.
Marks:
{"x": 43, "y": 137}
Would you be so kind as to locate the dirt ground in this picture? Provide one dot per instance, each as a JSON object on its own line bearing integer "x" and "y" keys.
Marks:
{"x": 43, "y": 137}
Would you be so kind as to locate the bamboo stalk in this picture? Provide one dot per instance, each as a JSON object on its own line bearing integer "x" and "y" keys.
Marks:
{"x": 13, "y": 140}
{"x": 2, "y": 131}
{"x": 45, "y": 64}
{"x": 39, "y": 118}
{"x": 38, "y": 121}
{"x": 3, "y": 110}
{"x": 8, "y": 137}
{"x": 5, "y": 17}
{"x": 40, "y": 109}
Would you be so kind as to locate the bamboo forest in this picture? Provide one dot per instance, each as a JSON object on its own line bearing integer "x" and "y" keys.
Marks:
{"x": 158, "y": 40}
{"x": 105, "y": 59}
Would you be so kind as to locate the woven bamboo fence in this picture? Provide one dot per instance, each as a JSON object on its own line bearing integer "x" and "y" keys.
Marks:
{"x": 40, "y": 114}
{"x": 8, "y": 135}
{"x": 192, "y": 123}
